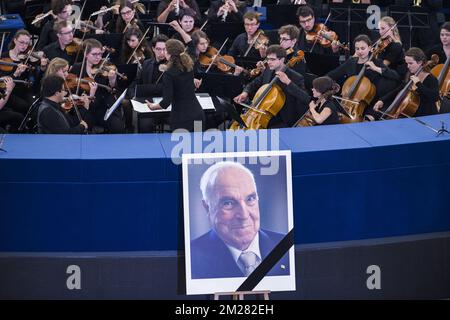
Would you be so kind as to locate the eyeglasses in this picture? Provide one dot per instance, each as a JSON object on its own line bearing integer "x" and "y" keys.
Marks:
{"x": 25, "y": 43}
{"x": 66, "y": 33}
{"x": 125, "y": 13}
{"x": 306, "y": 20}
{"x": 284, "y": 39}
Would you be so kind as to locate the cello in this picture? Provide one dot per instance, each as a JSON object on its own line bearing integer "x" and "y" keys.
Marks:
{"x": 407, "y": 100}
{"x": 267, "y": 102}
{"x": 441, "y": 73}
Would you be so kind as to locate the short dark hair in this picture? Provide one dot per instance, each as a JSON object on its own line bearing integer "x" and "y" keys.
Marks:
{"x": 59, "y": 5}
{"x": 276, "y": 49}
{"x": 51, "y": 85}
{"x": 290, "y": 30}
{"x": 363, "y": 37}
{"x": 446, "y": 26}
{"x": 305, "y": 11}
{"x": 417, "y": 54}
{"x": 250, "y": 15}
{"x": 159, "y": 38}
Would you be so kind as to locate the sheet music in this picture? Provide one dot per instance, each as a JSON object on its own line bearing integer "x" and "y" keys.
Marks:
{"x": 203, "y": 98}
{"x": 110, "y": 111}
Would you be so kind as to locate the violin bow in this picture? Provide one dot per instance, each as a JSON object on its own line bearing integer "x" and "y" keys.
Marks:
{"x": 81, "y": 72}
{"x": 29, "y": 53}
{"x": 252, "y": 43}
{"x": 135, "y": 49}
{"x": 78, "y": 24}
{"x": 320, "y": 31}
{"x": 73, "y": 102}
{"x": 203, "y": 25}
{"x": 215, "y": 56}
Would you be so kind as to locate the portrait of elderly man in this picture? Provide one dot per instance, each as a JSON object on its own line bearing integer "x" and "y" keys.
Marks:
{"x": 235, "y": 245}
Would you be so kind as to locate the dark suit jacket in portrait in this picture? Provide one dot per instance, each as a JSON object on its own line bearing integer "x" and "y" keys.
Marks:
{"x": 211, "y": 258}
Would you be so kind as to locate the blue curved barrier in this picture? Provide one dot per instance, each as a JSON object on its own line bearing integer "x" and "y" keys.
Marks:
{"x": 123, "y": 193}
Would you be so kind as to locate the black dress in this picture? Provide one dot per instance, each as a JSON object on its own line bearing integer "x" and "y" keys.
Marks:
{"x": 334, "y": 116}
{"x": 179, "y": 91}
{"x": 395, "y": 55}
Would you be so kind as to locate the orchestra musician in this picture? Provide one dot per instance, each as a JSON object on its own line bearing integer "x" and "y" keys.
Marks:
{"x": 186, "y": 20}
{"x": 179, "y": 89}
{"x": 131, "y": 39}
{"x": 65, "y": 40}
{"x": 324, "y": 110}
{"x": 307, "y": 22}
{"x": 226, "y": 11}
{"x": 290, "y": 82}
{"x": 60, "y": 67}
{"x": 242, "y": 42}
{"x": 392, "y": 53}
{"x": 425, "y": 85}
{"x": 62, "y": 9}
{"x": 9, "y": 119}
{"x": 443, "y": 48}
{"x": 51, "y": 117}
{"x": 127, "y": 17}
{"x": 147, "y": 83}
{"x": 288, "y": 36}
{"x": 22, "y": 96}
{"x": 383, "y": 78}
{"x": 169, "y": 10}
{"x": 93, "y": 50}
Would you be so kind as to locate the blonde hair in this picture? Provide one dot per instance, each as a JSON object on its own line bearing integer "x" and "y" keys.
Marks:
{"x": 178, "y": 56}
{"x": 55, "y": 65}
{"x": 391, "y": 22}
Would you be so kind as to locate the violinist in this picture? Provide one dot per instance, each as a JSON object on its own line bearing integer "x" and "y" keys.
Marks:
{"x": 179, "y": 89}
{"x": 309, "y": 29}
{"x": 62, "y": 47}
{"x": 127, "y": 17}
{"x": 324, "y": 110}
{"x": 12, "y": 65}
{"x": 252, "y": 43}
{"x": 226, "y": 11}
{"x": 383, "y": 78}
{"x": 147, "y": 83}
{"x": 10, "y": 120}
{"x": 51, "y": 117}
{"x": 169, "y": 10}
{"x": 131, "y": 39}
{"x": 425, "y": 85}
{"x": 390, "y": 47}
{"x": 291, "y": 83}
{"x": 62, "y": 9}
{"x": 93, "y": 51}
{"x": 288, "y": 36}
{"x": 60, "y": 67}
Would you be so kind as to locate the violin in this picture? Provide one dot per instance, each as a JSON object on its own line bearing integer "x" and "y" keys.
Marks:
{"x": 105, "y": 67}
{"x": 74, "y": 47}
{"x": 3, "y": 83}
{"x": 223, "y": 63}
{"x": 31, "y": 55}
{"x": 381, "y": 46}
{"x": 68, "y": 102}
{"x": 7, "y": 65}
{"x": 298, "y": 57}
{"x": 260, "y": 41}
{"x": 72, "y": 83}
{"x": 325, "y": 37}
{"x": 441, "y": 73}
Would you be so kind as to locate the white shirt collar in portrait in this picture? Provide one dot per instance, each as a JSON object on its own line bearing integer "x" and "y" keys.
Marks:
{"x": 253, "y": 247}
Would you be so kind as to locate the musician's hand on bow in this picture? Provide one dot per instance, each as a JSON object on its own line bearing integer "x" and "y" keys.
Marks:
{"x": 261, "y": 65}
{"x": 415, "y": 79}
{"x": 92, "y": 88}
{"x": 9, "y": 85}
{"x": 85, "y": 100}
{"x": 20, "y": 69}
{"x": 371, "y": 66}
{"x": 283, "y": 77}
{"x": 238, "y": 70}
{"x": 153, "y": 106}
{"x": 378, "y": 105}
{"x": 241, "y": 98}
{"x": 334, "y": 46}
{"x": 112, "y": 76}
{"x": 312, "y": 106}
{"x": 197, "y": 83}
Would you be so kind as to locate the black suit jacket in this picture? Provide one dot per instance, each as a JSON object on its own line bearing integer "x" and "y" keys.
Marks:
{"x": 144, "y": 84}
{"x": 211, "y": 258}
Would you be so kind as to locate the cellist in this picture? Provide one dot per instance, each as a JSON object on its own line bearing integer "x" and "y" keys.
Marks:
{"x": 383, "y": 78}
{"x": 425, "y": 85}
{"x": 291, "y": 83}
{"x": 442, "y": 49}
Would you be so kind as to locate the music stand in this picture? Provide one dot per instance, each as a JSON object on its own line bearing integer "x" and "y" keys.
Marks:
{"x": 230, "y": 109}
{"x": 348, "y": 15}
{"x": 417, "y": 17}
{"x": 113, "y": 108}
{"x": 220, "y": 84}
{"x": 321, "y": 64}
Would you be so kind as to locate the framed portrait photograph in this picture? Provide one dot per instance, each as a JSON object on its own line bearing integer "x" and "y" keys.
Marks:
{"x": 238, "y": 222}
